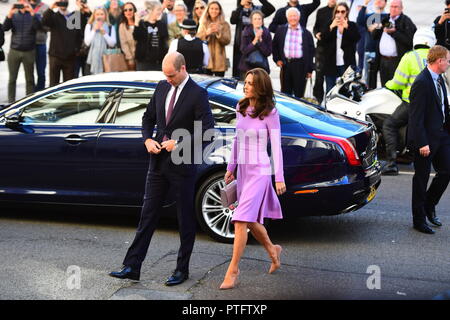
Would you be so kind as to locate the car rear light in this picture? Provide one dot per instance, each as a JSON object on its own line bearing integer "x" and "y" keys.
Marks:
{"x": 345, "y": 144}
{"x": 310, "y": 191}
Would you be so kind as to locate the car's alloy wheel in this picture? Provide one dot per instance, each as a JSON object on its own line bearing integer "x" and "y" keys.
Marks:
{"x": 213, "y": 218}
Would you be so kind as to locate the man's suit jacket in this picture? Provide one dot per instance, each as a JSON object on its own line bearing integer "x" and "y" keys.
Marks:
{"x": 192, "y": 105}
{"x": 307, "y": 45}
{"x": 425, "y": 113}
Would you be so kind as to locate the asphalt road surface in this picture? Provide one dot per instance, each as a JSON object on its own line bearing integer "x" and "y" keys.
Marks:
{"x": 373, "y": 253}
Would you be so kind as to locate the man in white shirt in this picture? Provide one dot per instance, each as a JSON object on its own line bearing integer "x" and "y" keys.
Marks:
{"x": 178, "y": 104}
{"x": 396, "y": 38}
{"x": 293, "y": 52}
{"x": 429, "y": 139}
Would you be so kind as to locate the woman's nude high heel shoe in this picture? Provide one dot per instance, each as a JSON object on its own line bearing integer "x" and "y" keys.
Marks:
{"x": 276, "y": 262}
{"x": 231, "y": 284}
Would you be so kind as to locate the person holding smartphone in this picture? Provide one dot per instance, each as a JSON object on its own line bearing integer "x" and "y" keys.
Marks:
{"x": 255, "y": 37}
{"x": 395, "y": 39}
{"x": 23, "y": 23}
{"x": 98, "y": 35}
{"x": 442, "y": 32}
{"x": 151, "y": 37}
{"x": 65, "y": 41}
{"x": 241, "y": 18}
{"x": 340, "y": 39}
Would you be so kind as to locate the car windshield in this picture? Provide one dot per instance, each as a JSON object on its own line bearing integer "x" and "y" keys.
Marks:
{"x": 5, "y": 113}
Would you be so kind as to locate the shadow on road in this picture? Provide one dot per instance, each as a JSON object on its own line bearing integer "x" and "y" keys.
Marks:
{"x": 330, "y": 229}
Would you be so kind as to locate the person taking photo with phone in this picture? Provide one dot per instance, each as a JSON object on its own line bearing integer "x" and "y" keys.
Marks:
{"x": 442, "y": 32}
{"x": 396, "y": 38}
{"x": 23, "y": 23}
{"x": 65, "y": 41}
{"x": 340, "y": 39}
{"x": 98, "y": 35}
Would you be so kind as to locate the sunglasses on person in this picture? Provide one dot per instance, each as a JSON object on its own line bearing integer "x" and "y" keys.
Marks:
{"x": 199, "y": 8}
{"x": 341, "y": 11}
{"x": 128, "y": 9}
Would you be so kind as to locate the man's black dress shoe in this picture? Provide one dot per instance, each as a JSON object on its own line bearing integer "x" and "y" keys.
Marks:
{"x": 431, "y": 215}
{"x": 423, "y": 227}
{"x": 176, "y": 278}
{"x": 390, "y": 169}
{"x": 126, "y": 273}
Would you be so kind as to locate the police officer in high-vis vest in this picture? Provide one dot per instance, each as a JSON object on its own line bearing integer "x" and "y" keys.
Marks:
{"x": 411, "y": 64}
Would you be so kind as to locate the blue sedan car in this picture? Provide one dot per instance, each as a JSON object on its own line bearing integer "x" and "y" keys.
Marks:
{"x": 80, "y": 142}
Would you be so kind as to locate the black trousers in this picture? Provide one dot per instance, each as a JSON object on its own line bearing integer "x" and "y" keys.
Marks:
{"x": 58, "y": 65}
{"x": 421, "y": 196}
{"x": 236, "y": 59}
{"x": 372, "y": 78}
{"x": 391, "y": 128}
{"x": 215, "y": 73}
{"x": 159, "y": 182}
{"x": 294, "y": 78}
{"x": 318, "y": 91}
{"x": 387, "y": 68}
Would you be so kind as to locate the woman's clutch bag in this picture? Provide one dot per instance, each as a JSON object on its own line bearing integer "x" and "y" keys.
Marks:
{"x": 228, "y": 194}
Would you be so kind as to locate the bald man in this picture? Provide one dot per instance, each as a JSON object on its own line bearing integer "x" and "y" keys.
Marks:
{"x": 178, "y": 102}
{"x": 395, "y": 35}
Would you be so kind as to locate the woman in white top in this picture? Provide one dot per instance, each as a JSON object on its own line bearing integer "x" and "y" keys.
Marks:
{"x": 98, "y": 35}
{"x": 340, "y": 39}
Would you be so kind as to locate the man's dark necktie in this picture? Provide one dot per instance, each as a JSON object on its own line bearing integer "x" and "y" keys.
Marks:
{"x": 440, "y": 84}
{"x": 170, "y": 109}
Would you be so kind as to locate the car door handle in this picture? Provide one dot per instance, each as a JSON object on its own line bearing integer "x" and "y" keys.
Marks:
{"x": 75, "y": 139}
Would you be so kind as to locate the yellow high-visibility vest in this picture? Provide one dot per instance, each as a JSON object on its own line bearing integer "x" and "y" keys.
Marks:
{"x": 411, "y": 64}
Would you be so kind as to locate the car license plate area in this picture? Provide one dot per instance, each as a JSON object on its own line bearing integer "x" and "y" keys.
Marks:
{"x": 373, "y": 192}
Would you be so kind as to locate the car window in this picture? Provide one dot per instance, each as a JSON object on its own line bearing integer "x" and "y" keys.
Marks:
{"x": 132, "y": 106}
{"x": 224, "y": 116}
{"x": 66, "y": 107}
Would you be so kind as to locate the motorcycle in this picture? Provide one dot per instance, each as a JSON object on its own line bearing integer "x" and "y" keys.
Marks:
{"x": 351, "y": 97}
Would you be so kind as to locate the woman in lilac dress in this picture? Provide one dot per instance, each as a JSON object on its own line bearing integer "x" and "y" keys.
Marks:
{"x": 258, "y": 122}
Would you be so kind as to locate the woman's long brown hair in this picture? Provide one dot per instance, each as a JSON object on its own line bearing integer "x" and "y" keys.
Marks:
{"x": 205, "y": 19}
{"x": 341, "y": 4}
{"x": 262, "y": 88}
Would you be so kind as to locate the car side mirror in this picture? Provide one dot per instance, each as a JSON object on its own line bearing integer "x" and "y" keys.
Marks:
{"x": 3, "y": 106}
{"x": 12, "y": 121}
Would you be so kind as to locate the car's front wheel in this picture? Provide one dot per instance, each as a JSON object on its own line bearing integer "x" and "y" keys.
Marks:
{"x": 213, "y": 218}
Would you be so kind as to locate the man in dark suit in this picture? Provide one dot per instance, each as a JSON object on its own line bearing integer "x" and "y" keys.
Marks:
{"x": 293, "y": 52}
{"x": 177, "y": 105}
{"x": 429, "y": 138}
